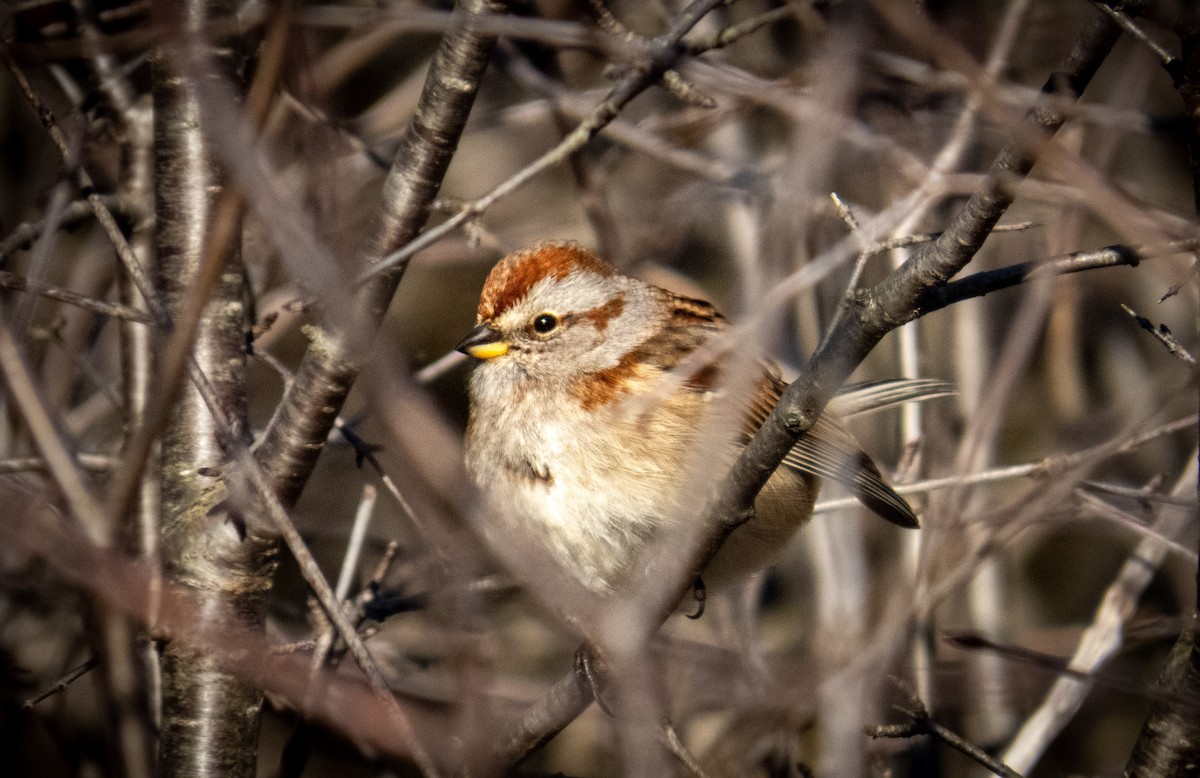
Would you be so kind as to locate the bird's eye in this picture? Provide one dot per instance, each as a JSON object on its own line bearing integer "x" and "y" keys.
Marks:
{"x": 545, "y": 323}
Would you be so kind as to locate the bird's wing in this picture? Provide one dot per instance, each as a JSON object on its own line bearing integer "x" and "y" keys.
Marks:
{"x": 830, "y": 451}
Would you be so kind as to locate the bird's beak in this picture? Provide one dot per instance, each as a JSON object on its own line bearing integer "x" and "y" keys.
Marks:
{"x": 483, "y": 343}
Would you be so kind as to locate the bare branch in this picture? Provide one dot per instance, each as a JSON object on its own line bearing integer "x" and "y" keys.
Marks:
{"x": 72, "y": 214}
{"x": 289, "y": 447}
{"x": 980, "y": 284}
{"x": 924, "y": 724}
{"x": 876, "y": 312}
{"x": 1163, "y": 336}
{"x": 102, "y": 307}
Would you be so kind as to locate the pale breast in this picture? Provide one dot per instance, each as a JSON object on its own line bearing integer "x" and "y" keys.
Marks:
{"x": 593, "y": 489}
{"x": 589, "y": 488}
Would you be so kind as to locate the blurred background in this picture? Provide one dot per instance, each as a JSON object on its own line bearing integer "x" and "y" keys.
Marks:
{"x": 1068, "y": 450}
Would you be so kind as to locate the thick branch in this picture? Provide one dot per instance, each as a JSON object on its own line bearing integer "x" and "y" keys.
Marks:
{"x": 210, "y": 715}
{"x": 1169, "y": 744}
{"x": 290, "y": 446}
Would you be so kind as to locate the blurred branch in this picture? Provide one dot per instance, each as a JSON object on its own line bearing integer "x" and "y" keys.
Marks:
{"x": 101, "y": 307}
{"x": 349, "y": 708}
{"x": 664, "y": 54}
{"x": 97, "y": 462}
{"x": 111, "y": 78}
{"x": 74, "y": 213}
{"x": 1103, "y": 637}
{"x": 1048, "y": 467}
{"x": 97, "y": 203}
{"x": 113, "y": 639}
{"x": 735, "y": 32}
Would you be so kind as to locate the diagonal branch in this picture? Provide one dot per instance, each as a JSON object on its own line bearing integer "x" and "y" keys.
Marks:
{"x": 874, "y": 313}
{"x": 665, "y": 51}
{"x": 101, "y": 307}
{"x": 289, "y": 447}
{"x": 880, "y": 309}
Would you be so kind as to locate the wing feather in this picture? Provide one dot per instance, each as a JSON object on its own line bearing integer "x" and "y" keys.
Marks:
{"x": 828, "y": 450}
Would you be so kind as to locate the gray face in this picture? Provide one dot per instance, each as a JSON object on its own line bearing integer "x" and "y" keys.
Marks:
{"x": 579, "y": 324}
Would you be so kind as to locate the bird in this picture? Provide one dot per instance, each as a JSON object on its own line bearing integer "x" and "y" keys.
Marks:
{"x": 580, "y": 429}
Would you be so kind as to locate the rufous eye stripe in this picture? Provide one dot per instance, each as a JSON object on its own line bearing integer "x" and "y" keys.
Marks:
{"x": 601, "y": 316}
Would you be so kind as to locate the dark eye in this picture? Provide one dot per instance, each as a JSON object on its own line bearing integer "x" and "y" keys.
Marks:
{"x": 545, "y": 323}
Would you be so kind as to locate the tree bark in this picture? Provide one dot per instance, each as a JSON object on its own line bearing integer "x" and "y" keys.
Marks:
{"x": 210, "y": 716}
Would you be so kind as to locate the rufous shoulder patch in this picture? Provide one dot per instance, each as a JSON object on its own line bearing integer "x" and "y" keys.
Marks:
{"x": 598, "y": 389}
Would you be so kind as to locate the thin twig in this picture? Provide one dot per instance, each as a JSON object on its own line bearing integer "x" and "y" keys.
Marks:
{"x": 358, "y": 532}
{"x": 102, "y": 307}
{"x": 99, "y": 463}
{"x": 73, "y": 214}
{"x": 332, "y": 607}
{"x": 924, "y": 724}
{"x": 1163, "y": 335}
{"x": 1168, "y": 60}
{"x": 736, "y": 32}
{"x": 663, "y": 54}
{"x": 1047, "y": 467}
{"x": 26, "y": 396}
{"x": 59, "y": 686}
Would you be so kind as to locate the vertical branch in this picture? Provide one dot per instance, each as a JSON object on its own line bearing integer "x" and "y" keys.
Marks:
{"x": 136, "y": 337}
{"x": 210, "y": 717}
